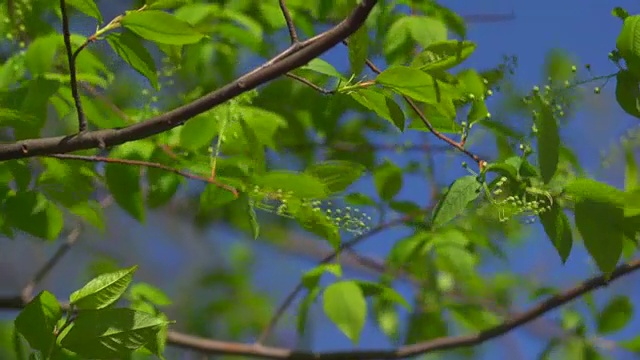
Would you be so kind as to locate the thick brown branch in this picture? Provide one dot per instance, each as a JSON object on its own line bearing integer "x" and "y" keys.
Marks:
{"x": 288, "y": 60}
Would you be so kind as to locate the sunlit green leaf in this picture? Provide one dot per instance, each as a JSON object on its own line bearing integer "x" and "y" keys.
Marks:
{"x": 132, "y": 51}
{"x": 104, "y": 290}
{"x": 160, "y": 27}
{"x": 345, "y": 305}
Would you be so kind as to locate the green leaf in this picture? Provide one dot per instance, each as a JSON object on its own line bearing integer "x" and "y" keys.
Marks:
{"x": 299, "y": 185}
{"x": 164, "y": 4}
{"x": 411, "y": 82}
{"x": 619, "y": 13}
{"x": 123, "y": 181}
{"x": 32, "y": 213}
{"x": 426, "y": 30}
{"x": 358, "y": 45}
{"x": 443, "y": 55}
{"x": 371, "y": 289}
{"x": 91, "y": 212}
{"x": 40, "y": 55}
{"x": 548, "y": 143}
{"x": 37, "y": 321}
{"x": 631, "y": 178}
{"x": 359, "y": 199}
{"x": 264, "y": 124}
{"x": 87, "y": 7}
{"x": 303, "y": 309}
{"x": 473, "y": 317}
{"x": 132, "y": 51}
{"x": 35, "y": 104}
{"x": 558, "y": 229}
{"x": 160, "y": 27}
{"x": 442, "y": 117}
{"x": 311, "y": 278}
{"x": 253, "y": 221}
{"x": 461, "y": 192}
{"x": 425, "y": 325}
{"x": 162, "y": 186}
{"x": 345, "y": 305}
{"x": 628, "y": 43}
{"x": 632, "y": 345}
{"x": 149, "y": 293}
{"x": 321, "y": 67}
{"x": 405, "y": 207}
{"x": 589, "y": 189}
{"x": 388, "y": 180}
{"x": 200, "y": 131}
{"x": 628, "y": 92}
{"x": 478, "y": 111}
{"x": 472, "y": 83}
{"x": 337, "y": 175}
{"x": 383, "y": 105}
{"x": 111, "y": 333}
{"x": 615, "y": 316}
{"x": 104, "y": 290}
{"x": 600, "y": 225}
{"x": 213, "y": 196}
{"x": 559, "y": 66}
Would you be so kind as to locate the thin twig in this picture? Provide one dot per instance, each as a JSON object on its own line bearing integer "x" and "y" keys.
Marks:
{"x": 290, "y": 25}
{"x": 146, "y": 164}
{"x": 82, "y": 121}
{"x": 27, "y": 291}
{"x": 428, "y": 124}
{"x": 310, "y": 84}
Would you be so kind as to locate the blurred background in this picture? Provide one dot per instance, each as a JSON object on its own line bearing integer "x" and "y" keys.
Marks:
{"x": 225, "y": 285}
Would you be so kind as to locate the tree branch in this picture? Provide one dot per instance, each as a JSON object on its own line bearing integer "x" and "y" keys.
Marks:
{"x": 286, "y": 61}
{"x": 71, "y": 57}
{"x": 27, "y": 291}
{"x": 290, "y": 25}
{"x": 210, "y": 346}
{"x": 146, "y": 164}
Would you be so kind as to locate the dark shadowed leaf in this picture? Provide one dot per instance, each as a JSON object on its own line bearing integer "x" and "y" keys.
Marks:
{"x": 558, "y": 229}
{"x": 111, "y": 333}
{"x": 37, "y": 321}
{"x": 461, "y": 192}
{"x": 615, "y": 316}
{"x": 388, "y": 180}
{"x": 600, "y": 225}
